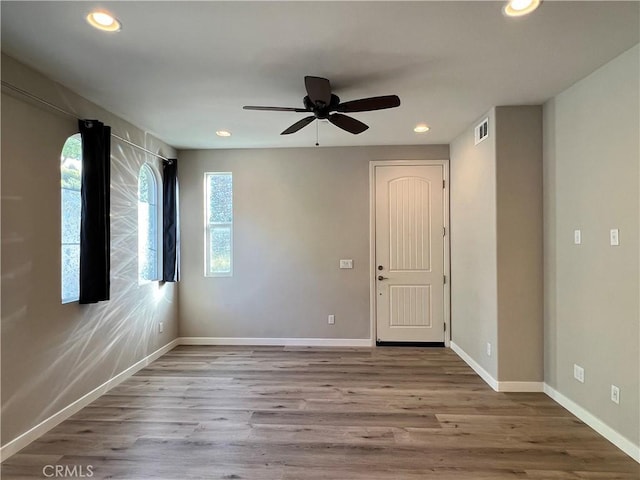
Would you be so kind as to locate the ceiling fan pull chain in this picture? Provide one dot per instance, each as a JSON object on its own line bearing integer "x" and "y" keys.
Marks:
{"x": 317, "y": 127}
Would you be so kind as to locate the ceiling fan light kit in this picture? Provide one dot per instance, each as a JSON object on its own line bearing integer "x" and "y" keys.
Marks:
{"x": 325, "y": 105}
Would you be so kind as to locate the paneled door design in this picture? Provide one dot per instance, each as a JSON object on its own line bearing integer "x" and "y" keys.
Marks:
{"x": 409, "y": 253}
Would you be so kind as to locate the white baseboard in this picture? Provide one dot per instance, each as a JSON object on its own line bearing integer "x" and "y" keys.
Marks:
{"x": 298, "y": 342}
{"x": 486, "y": 376}
{"x": 620, "y": 441}
{"x": 623, "y": 443}
{"x": 36, "y": 432}
{"x": 43, "y": 427}
{"x": 492, "y": 382}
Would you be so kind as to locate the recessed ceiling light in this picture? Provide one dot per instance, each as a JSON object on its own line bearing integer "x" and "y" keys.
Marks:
{"x": 517, "y": 8}
{"x": 421, "y": 128}
{"x": 223, "y": 133}
{"x": 104, "y": 21}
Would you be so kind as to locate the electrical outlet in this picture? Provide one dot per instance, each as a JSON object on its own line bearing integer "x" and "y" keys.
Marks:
{"x": 615, "y": 394}
{"x": 488, "y": 349}
{"x": 331, "y": 319}
{"x": 578, "y": 373}
{"x": 160, "y": 327}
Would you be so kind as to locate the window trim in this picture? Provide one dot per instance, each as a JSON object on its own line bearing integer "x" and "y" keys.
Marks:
{"x": 146, "y": 166}
{"x": 209, "y": 226}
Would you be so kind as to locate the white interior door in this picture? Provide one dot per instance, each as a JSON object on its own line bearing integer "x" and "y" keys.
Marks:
{"x": 409, "y": 253}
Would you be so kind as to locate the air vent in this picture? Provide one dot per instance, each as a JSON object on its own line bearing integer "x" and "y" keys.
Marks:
{"x": 482, "y": 131}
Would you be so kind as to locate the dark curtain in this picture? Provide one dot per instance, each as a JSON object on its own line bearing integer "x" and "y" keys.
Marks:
{"x": 94, "y": 226}
{"x": 170, "y": 222}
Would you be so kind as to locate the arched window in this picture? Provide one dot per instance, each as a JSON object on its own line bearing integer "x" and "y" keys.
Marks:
{"x": 148, "y": 234}
{"x": 70, "y": 176}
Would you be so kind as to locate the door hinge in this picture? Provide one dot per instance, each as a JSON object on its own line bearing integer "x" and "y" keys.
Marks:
{"x": 443, "y": 183}
{"x": 445, "y": 327}
{"x": 445, "y": 279}
{"x": 444, "y": 231}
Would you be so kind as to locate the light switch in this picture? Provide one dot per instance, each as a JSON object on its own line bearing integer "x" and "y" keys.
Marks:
{"x": 614, "y": 237}
{"x": 577, "y": 237}
{"x": 346, "y": 263}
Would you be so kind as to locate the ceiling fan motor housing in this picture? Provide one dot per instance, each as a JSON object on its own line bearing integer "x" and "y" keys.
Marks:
{"x": 320, "y": 109}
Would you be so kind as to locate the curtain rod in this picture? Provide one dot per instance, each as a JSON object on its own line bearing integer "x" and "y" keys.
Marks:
{"x": 61, "y": 110}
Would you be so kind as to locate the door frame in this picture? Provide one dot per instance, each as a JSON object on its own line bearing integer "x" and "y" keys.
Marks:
{"x": 372, "y": 240}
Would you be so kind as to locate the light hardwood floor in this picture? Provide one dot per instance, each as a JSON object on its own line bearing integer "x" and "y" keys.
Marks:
{"x": 267, "y": 413}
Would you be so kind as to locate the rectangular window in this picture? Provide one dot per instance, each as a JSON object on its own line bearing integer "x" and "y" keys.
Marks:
{"x": 218, "y": 236}
{"x": 70, "y": 245}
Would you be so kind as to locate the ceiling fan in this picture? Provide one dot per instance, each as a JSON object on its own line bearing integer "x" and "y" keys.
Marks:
{"x": 322, "y": 104}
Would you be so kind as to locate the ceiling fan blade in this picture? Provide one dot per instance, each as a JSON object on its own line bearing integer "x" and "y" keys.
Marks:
{"x": 349, "y": 124}
{"x": 368, "y": 104}
{"x": 318, "y": 89}
{"x": 276, "y": 109}
{"x": 299, "y": 125}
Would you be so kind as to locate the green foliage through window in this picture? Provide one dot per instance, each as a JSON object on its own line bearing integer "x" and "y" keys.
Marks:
{"x": 71, "y": 163}
{"x": 70, "y": 178}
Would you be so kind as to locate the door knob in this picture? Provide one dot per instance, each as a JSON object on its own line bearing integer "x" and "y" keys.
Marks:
{"x": 380, "y": 267}
{"x": 380, "y": 277}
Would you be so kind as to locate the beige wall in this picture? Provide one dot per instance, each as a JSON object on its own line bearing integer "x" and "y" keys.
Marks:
{"x": 496, "y": 244}
{"x": 519, "y": 242}
{"x": 52, "y": 354}
{"x": 591, "y": 157}
{"x": 297, "y": 213}
{"x": 474, "y": 275}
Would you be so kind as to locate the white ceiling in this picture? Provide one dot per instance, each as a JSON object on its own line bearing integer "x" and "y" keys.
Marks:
{"x": 183, "y": 70}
